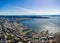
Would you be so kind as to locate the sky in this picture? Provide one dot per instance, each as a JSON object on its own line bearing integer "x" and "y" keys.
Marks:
{"x": 29, "y": 7}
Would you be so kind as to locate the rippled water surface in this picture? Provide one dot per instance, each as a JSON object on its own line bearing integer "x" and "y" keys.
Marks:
{"x": 52, "y": 24}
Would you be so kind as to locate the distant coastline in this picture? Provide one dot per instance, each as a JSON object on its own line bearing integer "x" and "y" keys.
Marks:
{"x": 24, "y": 17}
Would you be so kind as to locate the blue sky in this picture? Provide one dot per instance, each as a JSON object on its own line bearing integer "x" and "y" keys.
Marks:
{"x": 29, "y": 7}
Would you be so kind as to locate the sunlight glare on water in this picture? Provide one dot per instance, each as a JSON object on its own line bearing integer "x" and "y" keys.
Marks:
{"x": 52, "y": 28}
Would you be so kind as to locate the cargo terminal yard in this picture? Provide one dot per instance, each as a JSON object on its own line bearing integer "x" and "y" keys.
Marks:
{"x": 11, "y": 31}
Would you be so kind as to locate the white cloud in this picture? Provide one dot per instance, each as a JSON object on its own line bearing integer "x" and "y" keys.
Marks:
{"x": 24, "y": 11}
{"x": 49, "y": 12}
